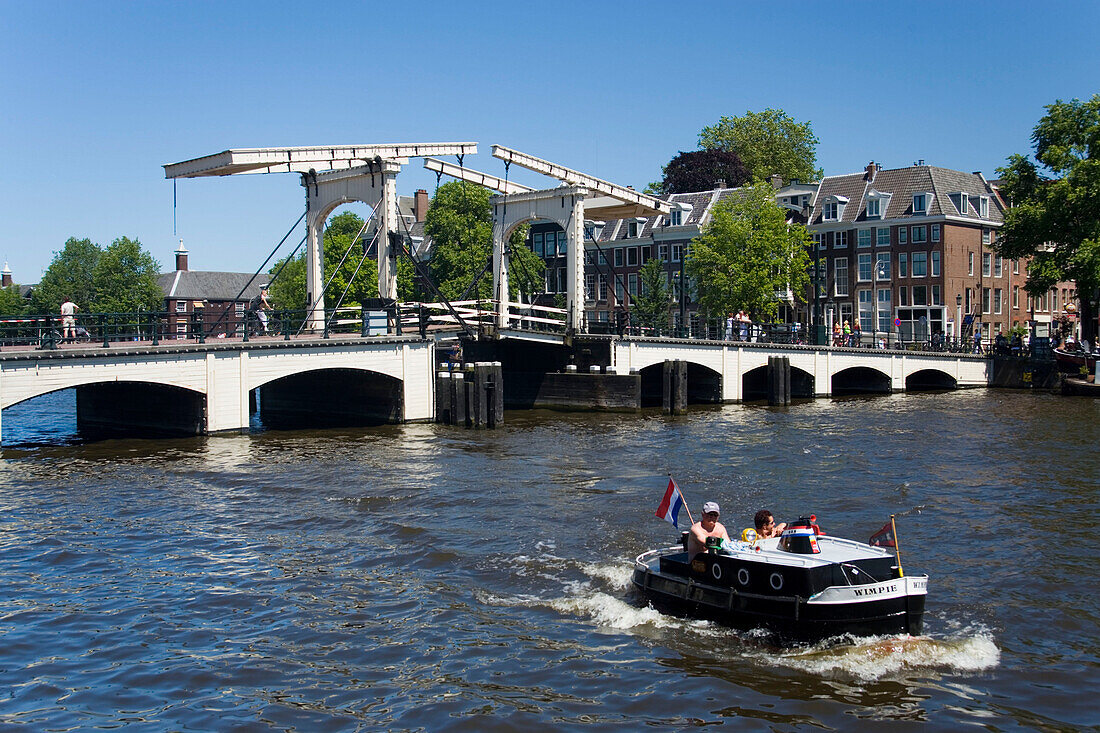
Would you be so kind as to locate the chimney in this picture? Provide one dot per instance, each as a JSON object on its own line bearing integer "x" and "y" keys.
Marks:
{"x": 871, "y": 170}
{"x": 721, "y": 183}
{"x": 777, "y": 181}
{"x": 181, "y": 257}
{"x": 420, "y": 204}
{"x": 5, "y": 276}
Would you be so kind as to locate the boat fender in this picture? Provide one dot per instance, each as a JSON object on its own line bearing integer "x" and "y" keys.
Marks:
{"x": 716, "y": 571}
{"x": 776, "y": 581}
{"x": 743, "y": 576}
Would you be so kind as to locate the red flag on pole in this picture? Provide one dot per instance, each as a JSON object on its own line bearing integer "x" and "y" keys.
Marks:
{"x": 884, "y": 537}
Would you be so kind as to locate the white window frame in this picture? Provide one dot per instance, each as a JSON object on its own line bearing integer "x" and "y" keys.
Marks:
{"x": 919, "y": 236}
{"x": 903, "y": 264}
{"x": 983, "y": 207}
{"x": 934, "y": 263}
{"x": 922, "y": 258}
{"x": 840, "y": 239}
{"x": 882, "y": 267}
{"x": 987, "y": 264}
{"x": 840, "y": 277}
{"x": 935, "y": 232}
{"x": 864, "y": 264}
{"x": 879, "y": 236}
{"x": 903, "y": 235}
{"x": 864, "y": 238}
{"x": 662, "y": 252}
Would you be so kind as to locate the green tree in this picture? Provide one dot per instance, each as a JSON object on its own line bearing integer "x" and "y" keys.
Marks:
{"x": 767, "y": 142}
{"x": 650, "y": 307}
{"x": 68, "y": 276}
{"x": 700, "y": 170}
{"x": 1055, "y": 219}
{"x": 125, "y": 279}
{"x": 748, "y": 254}
{"x": 459, "y": 222}
{"x": 11, "y": 301}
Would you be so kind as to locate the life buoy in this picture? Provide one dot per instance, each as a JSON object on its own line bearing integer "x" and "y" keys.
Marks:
{"x": 716, "y": 571}
{"x": 776, "y": 581}
{"x": 743, "y": 576}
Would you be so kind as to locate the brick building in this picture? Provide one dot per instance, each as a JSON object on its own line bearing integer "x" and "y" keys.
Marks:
{"x": 912, "y": 246}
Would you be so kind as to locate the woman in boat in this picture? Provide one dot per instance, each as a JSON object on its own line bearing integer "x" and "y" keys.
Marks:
{"x": 766, "y": 526}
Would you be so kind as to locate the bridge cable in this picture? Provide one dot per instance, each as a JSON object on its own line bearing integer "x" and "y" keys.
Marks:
{"x": 257, "y": 273}
{"x": 337, "y": 268}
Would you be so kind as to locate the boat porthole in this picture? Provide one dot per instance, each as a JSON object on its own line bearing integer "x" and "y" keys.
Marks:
{"x": 743, "y": 576}
{"x": 776, "y": 580}
{"x": 716, "y": 571}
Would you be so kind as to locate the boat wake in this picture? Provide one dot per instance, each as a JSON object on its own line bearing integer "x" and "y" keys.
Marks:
{"x": 602, "y": 596}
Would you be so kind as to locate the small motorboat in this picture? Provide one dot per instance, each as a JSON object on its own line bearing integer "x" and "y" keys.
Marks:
{"x": 801, "y": 586}
{"x": 1075, "y": 360}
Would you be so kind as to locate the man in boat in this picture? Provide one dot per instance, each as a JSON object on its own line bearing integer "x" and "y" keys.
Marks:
{"x": 708, "y": 526}
{"x": 766, "y": 526}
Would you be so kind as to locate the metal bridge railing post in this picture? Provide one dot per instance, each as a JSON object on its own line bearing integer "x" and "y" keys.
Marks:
{"x": 155, "y": 322}
{"x": 247, "y": 325}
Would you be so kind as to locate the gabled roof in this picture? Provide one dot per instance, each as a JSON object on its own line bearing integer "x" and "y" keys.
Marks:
{"x": 194, "y": 285}
{"x": 902, "y": 183}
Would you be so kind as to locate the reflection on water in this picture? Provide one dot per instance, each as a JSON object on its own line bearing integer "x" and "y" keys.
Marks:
{"x": 429, "y": 577}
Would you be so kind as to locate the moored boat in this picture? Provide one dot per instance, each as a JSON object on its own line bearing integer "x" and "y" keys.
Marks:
{"x": 1072, "y": 361}
{"x": 800, "y": 586}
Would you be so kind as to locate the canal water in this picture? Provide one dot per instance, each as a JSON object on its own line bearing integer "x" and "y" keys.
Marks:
{"x": 424, "y": 577}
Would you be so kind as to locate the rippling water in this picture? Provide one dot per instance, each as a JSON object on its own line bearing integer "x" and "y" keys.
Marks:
{"x": 427, "y": 577}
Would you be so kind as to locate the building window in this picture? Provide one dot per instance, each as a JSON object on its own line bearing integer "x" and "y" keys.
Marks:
{"x": 935, "y": 264}
{"x": 631, "y": 256}
{"x": 903, "y": 296}
{"x": 677, "y": 252}
{"x": 840, "y": 276}
{"x": 970, "y": 264}
{"x": 882, "y": 237}
{"x": 601, "y": 287}
{"x": 181, "y": 306}
{"x": 865, "y": 268}
{"x": 920, "y": 295}
{"x": 1054, "y": 300}
{"x": 987, "y": 262}
{"x": 818, "y": 241}
{"x": 964, "y": 204}
{"x": 919, "y": 235}
{"x": 830, "y": 211}
{"x": 866, "y": 310}
{"x": 920, "y": 203}
{"x": 903, "y": 235}
{"x": 998, "y": 266}
{"x": 536, "y": 243}
{"x": 645, "y": 252}
{"x": 983, "y": 209}
{"x": 662, "y": 252}
{"x": 1016, "y": 297}
{"x": 882, "y": 266}
{"x": 885, "y": 310}
{"x": 935, "y": 232}
{"x": 632, "y": 230}
{"x": 997, "y": 300}
{"x": 937, "y": 295}
{"x": 987, "y": 236}
{"x": 589, "y": 287}
{"x": 969, "y": 302}
{"x": 864, "y": 237}
{"x": 985, "y": 300}
{"x": 618, "y": 257}
{"x": 632, "y": 283}
{"x": 1015, "y": 267}
{"x": 676, "y": 218}
{"x": 903, "y": 264}
{"x": 873, "y": 208}
{"x": 920, "y": 264}
{"x": 840, "y": 239}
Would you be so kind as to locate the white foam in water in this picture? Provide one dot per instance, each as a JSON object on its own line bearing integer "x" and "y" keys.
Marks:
{"x": 616, "y": 575}
{"x": 611, "y": 612}
{"x": 883, "y": 656}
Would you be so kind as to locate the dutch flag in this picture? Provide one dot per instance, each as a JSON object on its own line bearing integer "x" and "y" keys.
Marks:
{"x": 669, "y": 509}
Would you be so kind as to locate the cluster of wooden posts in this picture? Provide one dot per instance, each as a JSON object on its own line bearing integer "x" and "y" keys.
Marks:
{"x": 472, "y": 395}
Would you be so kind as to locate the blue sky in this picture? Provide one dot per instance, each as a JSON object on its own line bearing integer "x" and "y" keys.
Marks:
{"x": 97, "y": 96}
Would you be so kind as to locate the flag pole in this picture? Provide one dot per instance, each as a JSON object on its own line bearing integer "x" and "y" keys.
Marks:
{"x": 682, "y": 497}
{"x": 897, "y": 546}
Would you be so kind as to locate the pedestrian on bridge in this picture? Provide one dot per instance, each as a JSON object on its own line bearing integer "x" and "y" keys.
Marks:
{"x": 68, "y": 320}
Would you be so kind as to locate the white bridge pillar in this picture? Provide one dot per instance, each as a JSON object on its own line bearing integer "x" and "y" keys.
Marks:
{"x": 374, "y": 184}
{"x": 564, "y": 206}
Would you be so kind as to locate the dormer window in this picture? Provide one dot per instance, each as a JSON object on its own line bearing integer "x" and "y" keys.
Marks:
{"x": 676, "y": 218}
{"x": 833, "y": 208}
{"x": 983, "y": 207}
{"x": 877, "y": 203}
{"x": 920, "y": 203}
{"x": 962, "y": 203}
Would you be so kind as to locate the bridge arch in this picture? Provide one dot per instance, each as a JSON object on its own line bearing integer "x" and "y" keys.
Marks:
{"x": 754, "y": 383}
{"x": 704, "y": 384}
{"x": 339, "y": 396}
{"x": 925, "y": 380}
{"x": 861, "y": 380}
